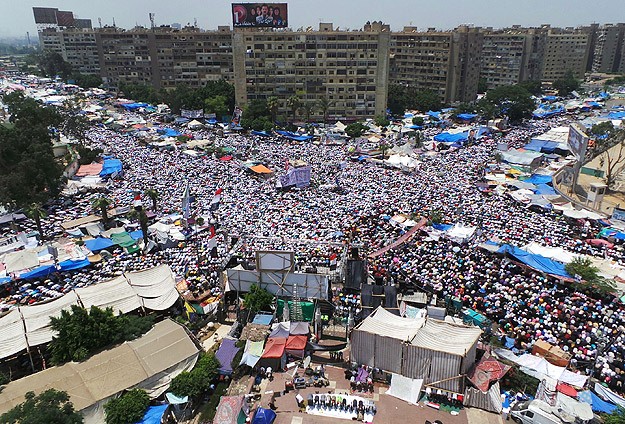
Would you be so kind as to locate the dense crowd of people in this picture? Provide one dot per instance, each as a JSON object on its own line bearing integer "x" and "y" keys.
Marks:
{"x": 319, "y": 223}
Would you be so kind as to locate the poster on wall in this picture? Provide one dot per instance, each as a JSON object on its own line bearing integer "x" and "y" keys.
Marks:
{"x": 267, "y": 15}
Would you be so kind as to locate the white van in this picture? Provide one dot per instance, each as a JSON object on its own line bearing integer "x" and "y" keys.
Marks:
{"x": 534, "y": 412}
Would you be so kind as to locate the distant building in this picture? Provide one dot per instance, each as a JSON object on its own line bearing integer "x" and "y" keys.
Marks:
{"x": 609, "y": 49}
{"x": 565, "y": 50}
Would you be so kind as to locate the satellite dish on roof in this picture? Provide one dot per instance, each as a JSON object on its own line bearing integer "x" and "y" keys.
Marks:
{"x": 307, "y": 362}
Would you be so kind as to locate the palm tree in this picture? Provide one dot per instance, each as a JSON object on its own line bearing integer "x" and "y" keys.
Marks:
{"x": 153, "y": 195}
{"x": 324, "y": 105}
{"x": 35, "y": 212}
{"x": 294, "y": 103}
{"x": 308, "y": 108}
{"x": 273, "y": 104}
{"x": 102, "y": 203}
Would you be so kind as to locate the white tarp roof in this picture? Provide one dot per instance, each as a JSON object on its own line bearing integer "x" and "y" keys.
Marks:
{"x": 153, "y": 289}
{"x": 384, "y": 323}
{"x": 20, "y": 260}
{"x": 108, "y": 373}
{"x": 556, "y": 253}
{"x": 460, "y": 232}
{"x": 445, "y": 337}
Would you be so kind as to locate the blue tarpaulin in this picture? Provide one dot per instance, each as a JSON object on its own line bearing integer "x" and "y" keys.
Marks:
{"x": 544, "y": 146}
{"x": 446, "y": 137}
{"x": 99, "y": 243}
{"x": 169, "y": 132}
{"x": 598, "y": 404}
{"x": 264, "y": 416}
{"x": 154, "y": 415}
{"x": 414, "y": 127}
{"x": 545, "y": 113}
{"x": 111, "y": 166}
{"x": 70, "y": 265}
{"x": 544, "y": 189}
{"x": 467, "y": 116}
{"x": 616, "y": 115}
{"x": 538, "y": 179}
{"x": 294, "y": 136}
{"x": 42, "y": 271}
{"x": 136, "y": 235}
{"x": 261, "y": 133}
{"x": 549, "y": 98}
{"x": 604, "y": 95}
{"x": 442, "y": 227}
{"x": 435, "y": 115}
{"x": 134, "y": 106}
{"x": 535, "y": 261}
{"x": 262, "y": 319}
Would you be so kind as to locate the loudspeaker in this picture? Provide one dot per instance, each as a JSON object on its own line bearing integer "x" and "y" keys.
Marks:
{"x": 356, "y": 273}
{"x": 354, "y": 253}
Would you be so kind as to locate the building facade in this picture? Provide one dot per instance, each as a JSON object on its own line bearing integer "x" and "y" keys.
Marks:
{"x": 566, "y": 50}
{"x": 609, "y": 48}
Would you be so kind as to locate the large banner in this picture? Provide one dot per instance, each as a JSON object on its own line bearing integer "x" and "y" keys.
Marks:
{"x": 268, "y": 15}
{"x": 578, "y": 141}
{"x": 299, "y": 177}
{"x": 191, "y": 114}
{"x": 236, "y": 117}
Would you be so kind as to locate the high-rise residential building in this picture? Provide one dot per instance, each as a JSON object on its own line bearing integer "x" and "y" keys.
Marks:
{"x": 566, "y": 50}
{"x": 349, "y": 69}
{"x": 422, "y": 60}
{"x": 608, "y": 51}
{"x": 465, "y": 72}
{"x": 505, "y": 56}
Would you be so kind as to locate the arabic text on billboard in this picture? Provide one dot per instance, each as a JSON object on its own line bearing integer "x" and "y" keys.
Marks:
{"x": 269, "y": 15}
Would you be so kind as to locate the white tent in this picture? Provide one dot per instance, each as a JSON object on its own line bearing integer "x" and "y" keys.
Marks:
{"x": 404, "y": 388}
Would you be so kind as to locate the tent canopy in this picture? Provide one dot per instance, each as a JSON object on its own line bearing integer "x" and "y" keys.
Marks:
{"x": 264, "y": 416}
{"x": 274, "y": 348}
{"x": 535, "y": 261}
{"x": 154, "y": 415}
{"x": 261, "y": 169}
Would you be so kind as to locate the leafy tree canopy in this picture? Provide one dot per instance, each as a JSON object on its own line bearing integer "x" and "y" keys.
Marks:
{"x": 28, "y": 171}
{"x": 48, "y": 407}
{"x": 533, "y": 87}
{"x": 257, "y": 299}
{"x": 52, "y": 64}
{"x": 198, "y": 380}
{"x": 401, "y": 98}
{"x": 511, "y": 100}
{"x": 355, "y": 129}
{"x": 129, "y": 408}
{"x": 86, "y": 80}
{"x": 82, "y": 332}
{"x": 381, "y": 121}
{"x": 567, "y": 84}
{"x": 583, "y": 269}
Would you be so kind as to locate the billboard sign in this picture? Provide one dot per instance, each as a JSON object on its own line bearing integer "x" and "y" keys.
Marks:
{"x": 267, "y": 15}
{"x": 578, "y": 141}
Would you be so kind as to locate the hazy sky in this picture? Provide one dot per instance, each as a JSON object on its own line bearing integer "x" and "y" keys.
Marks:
{"x": 16, "y": 15}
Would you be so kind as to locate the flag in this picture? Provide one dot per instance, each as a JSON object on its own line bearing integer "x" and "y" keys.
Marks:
{"x": 216, "y": 199}
{"x": 186, "y": 202}
{"x": 137, "y": 203}
{"x": 333, "y": 259}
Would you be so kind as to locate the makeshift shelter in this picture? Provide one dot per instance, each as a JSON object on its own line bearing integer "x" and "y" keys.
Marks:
{"x": 308, "y": 309}
{"x": 596, "y": 403}
{"x": 404, "y": 388}
{"x": 231, "y": 410}
{"x": 489, "y": 401}
{"x": 149, "y": 363}
{"x": 534, "y": 261}
{"x": 98, "y": 244}
{"x": 274, "y": 353}
{"x": 225, "y": 354}
{"x": 252, "y": 353}
{"x": 486, "y": 371}
{"x": 154, "y": 414}
{"x": 296, "y": 346}
{"x": 435, "y": 351}
{"x": 264, "y": 416}
{"x": 111, "y": 166}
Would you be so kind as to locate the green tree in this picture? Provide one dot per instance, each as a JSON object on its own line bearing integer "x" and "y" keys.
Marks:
{"x": 51, "y": 406}
{"x": 397, "y": 99}
{"x": 52, "y": 64}
{"x": 482, "y": 85}
{"x": 273, "y": 104}
{"x": 616, "y": 417}
{"x": 511, "y": 100}
{"x": 532, "y": 86}
{"x": 436, "y": 216}
{"x": 102, "y": 203}
{"x": 153, "y": 195}
{"x": 381, "y": 121}
{"x": 217, "y": 105}
{"x": 28, "y": 171}
{"x": 567, "y": 84}
{"x": 257, "y": 299}
{"x": 384, "y": 147}
{"x": 418, "y": 120}
{"x": 129, "y": 408}
{"x": 294, "y": 103}
{"x": 198, "y": 380}
{"x": 583, "y": 269}
{"x": 86, "y": 80}
{"x": 82, "y": 332}
{"x": 88, "y": 155}
{"x": 355, "y": 129}
{"x": 324, "y": 104}
{"x": 35, "y": 212}
{"x": 424, "y": 100}
{"x": 140, "y": 93}
{"x": 601, "y": 129}
{"x": 308, "y": 108}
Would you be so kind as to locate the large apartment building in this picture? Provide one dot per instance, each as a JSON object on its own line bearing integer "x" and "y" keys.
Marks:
{"x": 350, "y": 69}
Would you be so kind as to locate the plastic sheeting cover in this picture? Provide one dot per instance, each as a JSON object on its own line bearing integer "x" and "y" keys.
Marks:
{"x": 404, "y": 388}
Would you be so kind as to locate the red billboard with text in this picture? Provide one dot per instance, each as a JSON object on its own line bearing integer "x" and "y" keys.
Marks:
{"x": 267, "y": 15}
